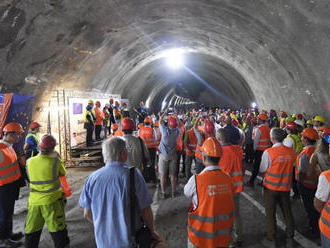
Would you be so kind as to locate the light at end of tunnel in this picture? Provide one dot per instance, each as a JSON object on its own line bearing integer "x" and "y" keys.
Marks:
{"x": 253, "y": 105}
{"x": 174, "y": 58}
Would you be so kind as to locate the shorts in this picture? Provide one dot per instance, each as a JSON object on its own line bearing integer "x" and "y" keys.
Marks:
{"x": 167, "y": 165}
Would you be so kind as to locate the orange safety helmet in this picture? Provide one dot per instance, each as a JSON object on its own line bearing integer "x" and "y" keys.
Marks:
{"x": 127, "y": 124}
{"x": 13, "y": 127}
{"x": 209, "y": 126}
{"x": 211, "y": 147}
{"x": 34, "y": 125}
{"x": 116, "y": 103}
{"x": 325, "y": 132}
{"x": 172, "y": 122}
{"x": 47, "y": 142}
{"x": 140, "y": 125}
{"x": 111, "y": 100}
{"x": 310, "y": 133}
{"x": 263, "y": 117}
{"x": 114, "y": 126}
{"x": 98, "y": 103}
{"x": 291, "y": 125}
{"x": 156, "y": 124}
{"x": 147, "y": 120}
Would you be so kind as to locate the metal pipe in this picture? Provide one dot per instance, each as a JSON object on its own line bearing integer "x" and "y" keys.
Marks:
{"x": 65, "y": 123}
{"x": 59, "y": 122}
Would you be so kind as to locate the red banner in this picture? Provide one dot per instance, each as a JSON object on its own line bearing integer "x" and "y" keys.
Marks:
{"x": 4, "y": 110}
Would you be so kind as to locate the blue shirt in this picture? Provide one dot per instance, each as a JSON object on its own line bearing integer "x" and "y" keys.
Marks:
{"x": 234, "y": 134}
{"x": 33, "y": 145}
{"x": 106, "y": 194}
{"x": 167, "y": 146}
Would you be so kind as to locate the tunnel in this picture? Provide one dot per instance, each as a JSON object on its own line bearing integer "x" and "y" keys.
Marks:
{"x": 235, "y": 52}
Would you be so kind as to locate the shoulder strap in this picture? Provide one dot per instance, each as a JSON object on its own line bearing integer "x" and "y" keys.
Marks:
{"x": 132, "y": 198}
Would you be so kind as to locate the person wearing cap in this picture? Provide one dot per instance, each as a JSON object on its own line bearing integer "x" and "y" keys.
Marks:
{"x": 9, "y": 184}
{"x": 211, "y": 215}
{"x": 46, "y": 199}
{"x": 320, "y": 159}
{"x": 306, "y": 177}
{"x": 138, "y": 154}
{"x": 261, "y": 141}
{"x": 277, "y": 165}
{"x": 231, "y": 162}
{"x": 322, "y": 199}
{"x": 167, "y": 152}
{"x": 32, "y": 140}
{"x": 293, "y": 140}
{"x": 99, "y": 120}
{"x": 149, "y": 136}
{"x": 235, "y": 136}
{"x": 319, "y": 123}
{"x": 89, "y": 119}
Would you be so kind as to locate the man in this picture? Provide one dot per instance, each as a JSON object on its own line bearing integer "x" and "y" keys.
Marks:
{"x": 235, "y": 136}
{"x": 319, "y": 123}
{"x": 231, "y": 162}
{"x": 190, "y": 144}
{"x": 9, "y": 184}
{"x": 261, "y": 141}
{"x": 293, "y": 140}
{"x": 46, "y": 200}
{"x": 89, "y": 119}
{"x": 138, "y": 155}
{"x": 211, "y": 216}
{"x": 32, "y": 141}
{"x": 167, "y": 149}
{"x": 277, "y": 164}
{"x": 307, "y": 182}
{"x": 99, "y": 120}
{"x": 110, "y": 212}
{"x": 149, "y": 136}
{"x": 322, "y": 203}
{"x": 110, "y": 110}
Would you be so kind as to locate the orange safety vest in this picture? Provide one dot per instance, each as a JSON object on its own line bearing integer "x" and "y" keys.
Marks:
{"x": 9, "y": 167}
{"x": 99, "y": 116}
{"x": 210, "y": 224}
{"x": 179, "y": 140}
{"x": 116, "y": 112}
{"x": 190, "y": 148}
{"x": 118, "y": 133}
{"x": 324, "y": 221}
{"x": 308, "y": 182}
{"x": 264, "y": 141}
{"x": 146, "y": 133}
{"x": 278, "y": 176}
{"x": 231, "y": 162}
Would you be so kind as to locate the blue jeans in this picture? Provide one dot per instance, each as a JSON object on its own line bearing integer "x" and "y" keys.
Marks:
{"x": 325, "y": 241}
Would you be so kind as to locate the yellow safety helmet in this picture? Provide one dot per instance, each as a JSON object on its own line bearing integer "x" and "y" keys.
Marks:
{"x": 309, "y": 122}
{"x": 90, "y": 102}
{"x": 319, "y": 118}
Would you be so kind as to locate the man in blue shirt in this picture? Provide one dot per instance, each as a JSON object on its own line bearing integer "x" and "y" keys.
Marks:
{"x": 32, "y": 140}
{"x": 106, "y": 199}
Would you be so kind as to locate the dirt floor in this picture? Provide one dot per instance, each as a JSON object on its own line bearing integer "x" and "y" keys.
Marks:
{"x": 170, "y": 218}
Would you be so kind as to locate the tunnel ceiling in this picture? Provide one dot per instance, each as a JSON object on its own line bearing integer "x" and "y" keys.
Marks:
{"x": 273, "y": 52}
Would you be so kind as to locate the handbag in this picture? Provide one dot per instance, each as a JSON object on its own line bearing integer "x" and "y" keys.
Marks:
{"x": 142, "y": 236}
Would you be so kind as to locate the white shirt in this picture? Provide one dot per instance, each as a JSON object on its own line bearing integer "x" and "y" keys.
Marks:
{"x": 265, "y": 159}
{"x": 288, "y": 142}
{"x": 190, "y": 190}
{"x": 323, "y": 189}
{"x": 256, "y": 137}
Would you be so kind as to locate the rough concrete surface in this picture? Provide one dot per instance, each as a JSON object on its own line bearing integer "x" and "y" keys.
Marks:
{"x": 273, "y": 52}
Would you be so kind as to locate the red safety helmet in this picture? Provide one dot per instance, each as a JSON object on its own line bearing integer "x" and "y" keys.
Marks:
{"x": 310, "y": 133}
{"x": 47, "y": 142}
{"x": 127, "y": 124}
{"x": 235, "y": 122}
{"x": 209, "y": 126}
{"x": 34, "y": 125}
{"x": 13, "y": 127}
{"x": 114, "y": 126}
{"x": 172, "y": 123}
{"x": 147, "y": 120}
{"x": 325, "y": 132}
{"x": 291, "y": 125}
{"x": 98, "y": 103}
{"x": 299, "y": 116}
{"x": 263, "y": 117}
{"x": 116, "y": 103}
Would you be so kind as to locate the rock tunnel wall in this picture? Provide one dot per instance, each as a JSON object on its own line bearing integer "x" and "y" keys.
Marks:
{"x": 273, "y": 52}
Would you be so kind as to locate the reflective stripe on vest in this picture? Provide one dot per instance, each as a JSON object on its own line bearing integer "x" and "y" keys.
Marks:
{"x": 209, "y": 235}
{"x": 264, "y": 141}
{"x": 212, "y": 220}
{"x": 53, "y": 180}
{"x": 10, "y": 174}
{"x": 8, "y": 165}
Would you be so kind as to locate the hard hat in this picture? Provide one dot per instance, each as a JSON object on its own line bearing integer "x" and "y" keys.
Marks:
{"x": 299, "y": 122}
{"x": 116, "y": 103}
{"x": 13, "y": 127}
{"x": 319, "y": 118}
{"x": 310, "y": 133}
{"x": 140, "y": 125}
{"x": 211, "y": 147}
{"x": 90, "y": 102}
{"x": 294, "y": 116}
{"x": 299, "y": 116}
{"x": 127, "y": 124}
{"x": 147, "y": 120}
{"x": 156, "y": 124}
{"x": 264, "y": 112}
{"x": 209, "y": 126}
{"x": 34, "y": 125}
{"x": 309, "y": 122}
{"x": 98, "y": 103}
{"x": 291, "y": 125}
{"x": 325, "y": 132}
{"x": 289, "y": 118}
{"x": 235, "y": 122}
{"x": 263, "y": 117}
{"x": 111, "y": 101}
{"x": 124, "y": 104}
{"x": 114, "y": 126}
{"x": 172, "y": 122}
{"x": 47, "y": 142}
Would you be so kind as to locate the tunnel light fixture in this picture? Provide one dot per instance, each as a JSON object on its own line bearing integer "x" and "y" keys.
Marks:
{"x": 253, "y": 105}
{"x": 174, "y": 58}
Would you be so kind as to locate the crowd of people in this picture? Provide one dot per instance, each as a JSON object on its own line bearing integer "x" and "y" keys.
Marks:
{"x": 207, "y": 150}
